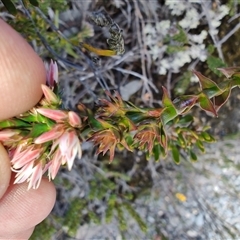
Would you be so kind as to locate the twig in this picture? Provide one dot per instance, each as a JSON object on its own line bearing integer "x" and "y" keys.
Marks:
{"x": 211, "y": 29}
{"x": 226, "y": 37}
{"x": 145, "y": 80}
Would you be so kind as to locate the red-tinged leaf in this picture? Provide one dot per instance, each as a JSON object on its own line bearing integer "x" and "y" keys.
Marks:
{"x": 229, "y": 71}
{"x": 167, "y": 102}
{"x": 220, "y": 100}
{"x": 155, "y": 113}
{"x": 193, "y": 156}
{"x": 175, "y": 154}
{"x": 210, "y": 88}
{"x": 206, "y": 104}
{"x": 184, "y": 103}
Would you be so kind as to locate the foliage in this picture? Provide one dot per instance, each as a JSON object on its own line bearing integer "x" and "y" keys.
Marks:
{"x": 103, "y": 192}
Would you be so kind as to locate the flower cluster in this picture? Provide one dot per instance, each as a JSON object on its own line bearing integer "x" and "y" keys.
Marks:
{"x": 51, "y": 141}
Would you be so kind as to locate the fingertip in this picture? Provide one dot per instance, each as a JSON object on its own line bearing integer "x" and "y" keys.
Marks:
{"x": 5, "y": 170}
{"x": 21, "y": 73}
{"x": 19, "y": 204}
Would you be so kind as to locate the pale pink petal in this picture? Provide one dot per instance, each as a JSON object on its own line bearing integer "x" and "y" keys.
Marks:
{"x": 64, "y": 143}
{"x": 8, "y": 133}
{"x": 24, "y": 173}
{"x": 56, "y": 115}
{"x": 55, "y": 165}
{"x": 52, "y": 73}
{"x": 52, "y": 134}
{"x": 36, "y": 177}
{"x": 49, "y": 95}
{"x": 74, "y": 119}
{"x": 20, "y": 152}
{"x": 26, "y": 158}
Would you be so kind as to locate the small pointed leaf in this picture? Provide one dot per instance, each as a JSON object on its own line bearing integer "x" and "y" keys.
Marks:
{"x": 193, "y": 156}
{"x": 210, "y": 88}
{"x": 156, "y": 152}
{"x": 185, "y": 121}
{"x": 167, "y": 102}
{"x": 169, "y": 114}
{"x": 220, "y": 100}
{"x": 206, "y": 104}
{"x": 207, "y": 137}
{"x": 229, "y": 71}
{"x": 175, "y": 154}
{"x": 10, "y": 6}
{"x": 34, "y": 3}
{"x": 200, "y": 146}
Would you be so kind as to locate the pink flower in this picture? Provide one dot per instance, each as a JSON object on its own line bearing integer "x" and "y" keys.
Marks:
{"x": 52, "y": 134}
{"x": 52, "y": 74}
{"x": 64, "y": 150}
{"x": 30, "y": 172}
{"x": 50, "y": 97}
{"x": 56, "y": 115}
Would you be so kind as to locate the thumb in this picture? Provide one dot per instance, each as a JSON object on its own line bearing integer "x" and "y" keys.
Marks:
{"x": 5, "y": 171}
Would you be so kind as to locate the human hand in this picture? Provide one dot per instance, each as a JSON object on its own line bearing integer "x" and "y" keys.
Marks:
{"x": 21, "y": 74}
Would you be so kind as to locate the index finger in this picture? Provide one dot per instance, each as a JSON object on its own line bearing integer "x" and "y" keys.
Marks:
{"x": 21, "y": 73}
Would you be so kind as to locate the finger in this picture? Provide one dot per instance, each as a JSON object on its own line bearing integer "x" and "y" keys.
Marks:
{"x": 5, "y": 170}
{"x": 22, "y": 235}
{"x": 21, "y": 73}
{"x": 22, "y": 209}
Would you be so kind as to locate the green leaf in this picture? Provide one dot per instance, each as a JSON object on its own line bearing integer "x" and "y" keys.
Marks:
{"x": 94, "y": 217}
{"x": 207, "y": 137}
{"x": 206, "y": 104}
{"x": 210, "y": 88}
{"x": 14, "y": 122}
{"x": 175, "y": 154}
{"x": 183, "y": 83}
{"x": 109, "y": 213}
{"x": 181, "y": 36}
{"x": 34, "y": 3}
{"x": 121, "y": 219}
{"x": 169, "y": 114}
{"x": 181, "y": 141}
{"x": 38, "y": 129}
{"x": 156, "y": 152}
{"x": 185, "y": 121}
{"x": 10, "y": 6}
{"x": 220, "y": 100}
{"x": 170, "y": 111}
{"x": 167, "y": 102}
{"x": 193, "y": 156}
{"x": 163, "y": 138}
{"x": 174, "y": 49}
{"x": 214, "y": 63}
{"x": 136, "y": 216}
{"x": 200, "y": 145}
